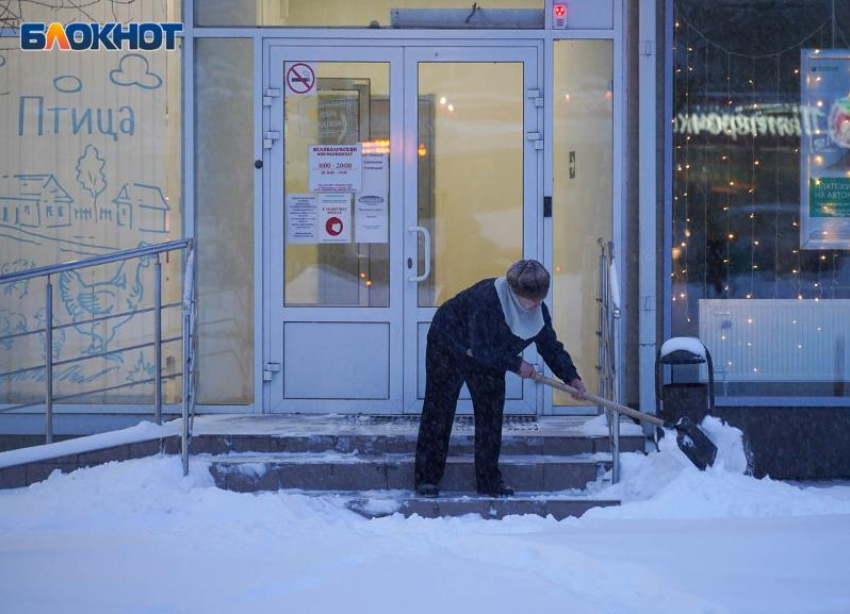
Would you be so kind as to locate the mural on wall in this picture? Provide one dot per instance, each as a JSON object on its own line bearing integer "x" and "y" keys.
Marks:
{"x": 89, "y": 165}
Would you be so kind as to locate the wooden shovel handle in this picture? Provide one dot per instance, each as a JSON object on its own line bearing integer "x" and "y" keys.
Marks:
{"x": 638, "y": 415}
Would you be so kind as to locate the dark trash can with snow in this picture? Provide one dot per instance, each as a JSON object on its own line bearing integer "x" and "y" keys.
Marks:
{"x": 688, "y": 398}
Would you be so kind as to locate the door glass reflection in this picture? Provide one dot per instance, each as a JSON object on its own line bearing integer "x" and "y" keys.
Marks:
{"x": 470, "y": 172}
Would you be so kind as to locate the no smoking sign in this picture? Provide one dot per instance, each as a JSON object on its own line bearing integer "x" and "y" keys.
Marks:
{"x": 300, "y": 79}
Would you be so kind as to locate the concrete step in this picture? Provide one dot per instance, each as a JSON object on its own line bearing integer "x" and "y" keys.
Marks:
{"x": 350, "y": 472}
{"x": 405, "y": 443}
{"x": 486, "y": 507}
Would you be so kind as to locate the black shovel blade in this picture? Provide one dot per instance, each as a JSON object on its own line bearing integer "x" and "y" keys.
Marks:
{"x": 695, "y": 443}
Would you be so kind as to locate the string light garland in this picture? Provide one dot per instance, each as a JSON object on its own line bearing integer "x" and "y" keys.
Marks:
{"x": 776, "y": 214}
{"x": 752, "y": 188}
{"x": 729, "y": 174}
{"x": 726, "y": 210}
{"x": 685, "y": 238}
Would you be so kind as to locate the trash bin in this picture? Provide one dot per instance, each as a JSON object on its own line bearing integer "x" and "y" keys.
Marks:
{"x": 692, "y": 399}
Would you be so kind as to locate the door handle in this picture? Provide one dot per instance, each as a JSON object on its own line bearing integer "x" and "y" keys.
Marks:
{"x": 427, "y": 237}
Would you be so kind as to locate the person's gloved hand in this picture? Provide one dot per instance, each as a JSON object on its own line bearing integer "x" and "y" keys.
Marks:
{"x": 579, "y": 385}
{"x": 526, "y": 370}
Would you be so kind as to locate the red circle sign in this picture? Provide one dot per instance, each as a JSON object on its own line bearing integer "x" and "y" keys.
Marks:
{"x": 333, "y": 226}
{"x": 300, "y": 78}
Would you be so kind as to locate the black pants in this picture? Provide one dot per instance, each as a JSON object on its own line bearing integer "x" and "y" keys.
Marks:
{"x": 446, "y": 370}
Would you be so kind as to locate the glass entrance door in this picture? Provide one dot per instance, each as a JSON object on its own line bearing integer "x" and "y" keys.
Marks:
{"x": 473, "y": 119}
{"x": 334, "y": 262}
{"x": 396, "y": 178}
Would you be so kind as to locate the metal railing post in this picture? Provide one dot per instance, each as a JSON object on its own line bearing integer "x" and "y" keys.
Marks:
{"x": 614, "y": 315}
{"x": 600, "y": 386}
{"x": 48, "y": 361}
{"x": 607, "y": 385}
{"x": 188, "y": 360}
{"x": 184, "y": 435}
{"x": 157, "y": 347}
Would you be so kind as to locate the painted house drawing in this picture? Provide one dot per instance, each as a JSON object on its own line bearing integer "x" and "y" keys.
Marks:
{"x": 142, "y": 207}
{"x": 40, "y": 202}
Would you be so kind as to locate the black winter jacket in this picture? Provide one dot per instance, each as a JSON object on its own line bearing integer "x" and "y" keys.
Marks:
{"x": 473, "y": 323}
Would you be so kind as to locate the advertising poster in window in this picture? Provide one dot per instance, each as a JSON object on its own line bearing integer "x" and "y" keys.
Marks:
{"x": 825, "y": 151}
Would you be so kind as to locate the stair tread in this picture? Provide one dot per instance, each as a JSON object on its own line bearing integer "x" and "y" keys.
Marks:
{"x": 413, "y": 435}
{"x": 286, "y": 458}
{"x": 472, "y": 496}
{"x": 486, "y": 507}
{"x": 362, "y": 424}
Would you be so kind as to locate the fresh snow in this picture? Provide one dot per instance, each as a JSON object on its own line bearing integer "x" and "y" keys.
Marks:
{"x": 598, "y": 427}
{"x": 137, "y": 537}
{"x": 689, "y": 344}
{"x": 144, "y": 431}
{"x": 614, "y": 283}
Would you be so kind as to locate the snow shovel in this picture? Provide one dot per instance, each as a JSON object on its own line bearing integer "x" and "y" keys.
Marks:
{"x": 692, "y": 439}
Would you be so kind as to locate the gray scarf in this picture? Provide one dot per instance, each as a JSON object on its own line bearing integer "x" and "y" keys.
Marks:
{"x": 524, "y": 324}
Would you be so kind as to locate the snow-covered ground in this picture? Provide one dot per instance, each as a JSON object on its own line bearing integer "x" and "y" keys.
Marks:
{"x": 137, "y": 537}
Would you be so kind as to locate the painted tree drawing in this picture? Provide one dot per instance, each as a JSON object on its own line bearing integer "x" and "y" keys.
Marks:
{"x": 90, "y": 175}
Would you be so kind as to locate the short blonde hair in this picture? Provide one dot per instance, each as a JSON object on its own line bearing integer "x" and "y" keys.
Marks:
{"x": 529, "y": 279}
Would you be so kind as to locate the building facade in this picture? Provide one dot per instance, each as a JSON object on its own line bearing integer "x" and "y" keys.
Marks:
{"x": 346, "y": 167}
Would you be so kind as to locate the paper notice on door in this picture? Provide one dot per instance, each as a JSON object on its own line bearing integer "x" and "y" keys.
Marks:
{"x": 301, "y": 214}
{"x": 371, "y": 204}
{"x": 335, "y": 168}
{"x": 334, "y": 223}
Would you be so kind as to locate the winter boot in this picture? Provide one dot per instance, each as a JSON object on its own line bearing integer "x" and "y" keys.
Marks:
{"x": 499, "y": 489}
{"x": 427, "y": 490}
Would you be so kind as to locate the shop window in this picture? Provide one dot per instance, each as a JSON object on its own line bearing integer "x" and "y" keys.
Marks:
{"x": 494, "y": 14}
{"x": 760, "y": 236}
{"x": 224, "y": 197}
{"x": 90, "y": 164}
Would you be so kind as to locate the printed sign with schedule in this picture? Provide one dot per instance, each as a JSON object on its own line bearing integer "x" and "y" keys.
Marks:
{"x": 335, "y": 168}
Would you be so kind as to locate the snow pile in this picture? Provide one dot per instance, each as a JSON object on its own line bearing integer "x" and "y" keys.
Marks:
{"x": 144, "y": 431}
{"x": 137, "y": 537}
{"x": 667, "y": 485}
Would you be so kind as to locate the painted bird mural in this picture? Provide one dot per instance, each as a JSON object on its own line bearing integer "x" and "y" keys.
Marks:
{"x": 58, "y": 334}
{"x": 11, "y": 323}
{"x": 86, "y": 300}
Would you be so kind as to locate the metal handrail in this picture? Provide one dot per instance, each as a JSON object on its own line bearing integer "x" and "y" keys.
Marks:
{"x": 188, "y": 306}
{"x": 36, "y": 331}
{"x": 127, "y": 254}
{"x": 86, "y": 393}
{"x": 70, "y": 361}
